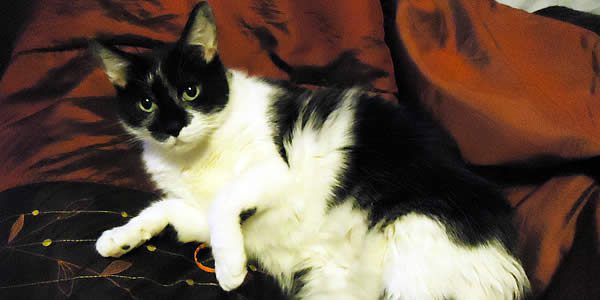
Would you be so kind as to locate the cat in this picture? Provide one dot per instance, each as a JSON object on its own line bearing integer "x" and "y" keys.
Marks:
{"x": 346, "y": 195}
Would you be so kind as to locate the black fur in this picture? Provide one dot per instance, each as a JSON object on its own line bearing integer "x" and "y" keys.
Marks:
{"x": 402, "y": 161}
{"x": 185, "y": 66}
{"x": 285, "y": 113}
{"x": 320, "y": 105}
{"x": 290, "y": 108}
{"x": 299, "y": 281}
{"x": 245, "y": 215}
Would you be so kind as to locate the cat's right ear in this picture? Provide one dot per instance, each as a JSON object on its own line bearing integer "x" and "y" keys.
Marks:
{"x": 201, "y": 30}
{"x": 113, "y": 62}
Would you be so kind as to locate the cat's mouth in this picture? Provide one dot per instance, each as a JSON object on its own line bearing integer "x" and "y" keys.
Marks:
{"x": 177, "y": 145}
{"x": 173, "y": 142}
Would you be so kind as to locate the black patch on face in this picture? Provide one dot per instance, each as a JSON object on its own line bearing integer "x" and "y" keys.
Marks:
{"x": 171, "y": 117}
{"x": 181, "y": 66}
{"x": 136, "y": 90}
{"x": 185, "y": 66}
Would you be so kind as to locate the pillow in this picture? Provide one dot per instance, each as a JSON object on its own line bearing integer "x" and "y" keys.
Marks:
{"x": 57, "y": 108}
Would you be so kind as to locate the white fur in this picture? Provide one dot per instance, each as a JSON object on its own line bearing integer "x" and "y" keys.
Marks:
{"x": 224, "y": 163}
{"x": 423, "y": 263}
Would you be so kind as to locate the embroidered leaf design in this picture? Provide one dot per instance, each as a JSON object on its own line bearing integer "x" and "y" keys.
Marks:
{"x": 66, "y": 272}
{"x": 16, "y": 228}
{"x": 116, "y": 267}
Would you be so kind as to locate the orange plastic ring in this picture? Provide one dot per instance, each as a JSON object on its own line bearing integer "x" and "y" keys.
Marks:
{"x": 198, "y": 263}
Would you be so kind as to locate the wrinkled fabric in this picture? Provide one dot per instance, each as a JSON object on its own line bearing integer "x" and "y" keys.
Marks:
{"x": 65, "y": 104}
{"x": 508, "y": 86}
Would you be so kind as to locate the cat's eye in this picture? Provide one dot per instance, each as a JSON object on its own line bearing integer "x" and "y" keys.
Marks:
{"x": 147, "y": 105}
{"x": 190, "y": 93}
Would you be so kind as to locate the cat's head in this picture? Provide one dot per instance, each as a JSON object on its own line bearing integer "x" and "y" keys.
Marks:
{"x": 173, "y": 95}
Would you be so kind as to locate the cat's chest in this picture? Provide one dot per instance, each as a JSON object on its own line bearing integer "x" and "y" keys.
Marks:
{"x": 195, "y": 179}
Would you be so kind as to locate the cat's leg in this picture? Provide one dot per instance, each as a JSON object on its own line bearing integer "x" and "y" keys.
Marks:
{"x": 252, "y": 190}
{"x": 423, "y": 262}
{"x": 331, "y": 281}
{"x": 189, "y": 222}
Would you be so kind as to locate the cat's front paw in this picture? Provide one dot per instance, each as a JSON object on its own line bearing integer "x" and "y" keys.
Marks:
{"x": 231, "y": 271}
{"x": 120, "y": 240}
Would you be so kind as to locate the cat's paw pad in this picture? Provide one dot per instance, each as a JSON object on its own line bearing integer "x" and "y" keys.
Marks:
{"x": 120, "y": 240}
{"x": 230, "y": 272}
{"x": 108, "y": 247}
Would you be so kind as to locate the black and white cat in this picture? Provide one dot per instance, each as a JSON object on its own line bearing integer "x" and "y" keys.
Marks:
{"x": 351, "y": 197}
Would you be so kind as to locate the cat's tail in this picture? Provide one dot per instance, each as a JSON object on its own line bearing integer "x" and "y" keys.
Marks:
{"x": 538, "y": 170}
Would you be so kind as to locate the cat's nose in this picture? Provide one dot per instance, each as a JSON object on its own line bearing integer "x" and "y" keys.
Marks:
{"x": 173, "y": 128}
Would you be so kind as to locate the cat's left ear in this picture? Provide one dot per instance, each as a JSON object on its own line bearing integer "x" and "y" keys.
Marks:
{"x": 201, "y": 30}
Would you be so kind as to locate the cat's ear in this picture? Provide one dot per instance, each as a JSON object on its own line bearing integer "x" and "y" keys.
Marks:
{"x": 113, "y": 61}
{"x": 201, "y": 30}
